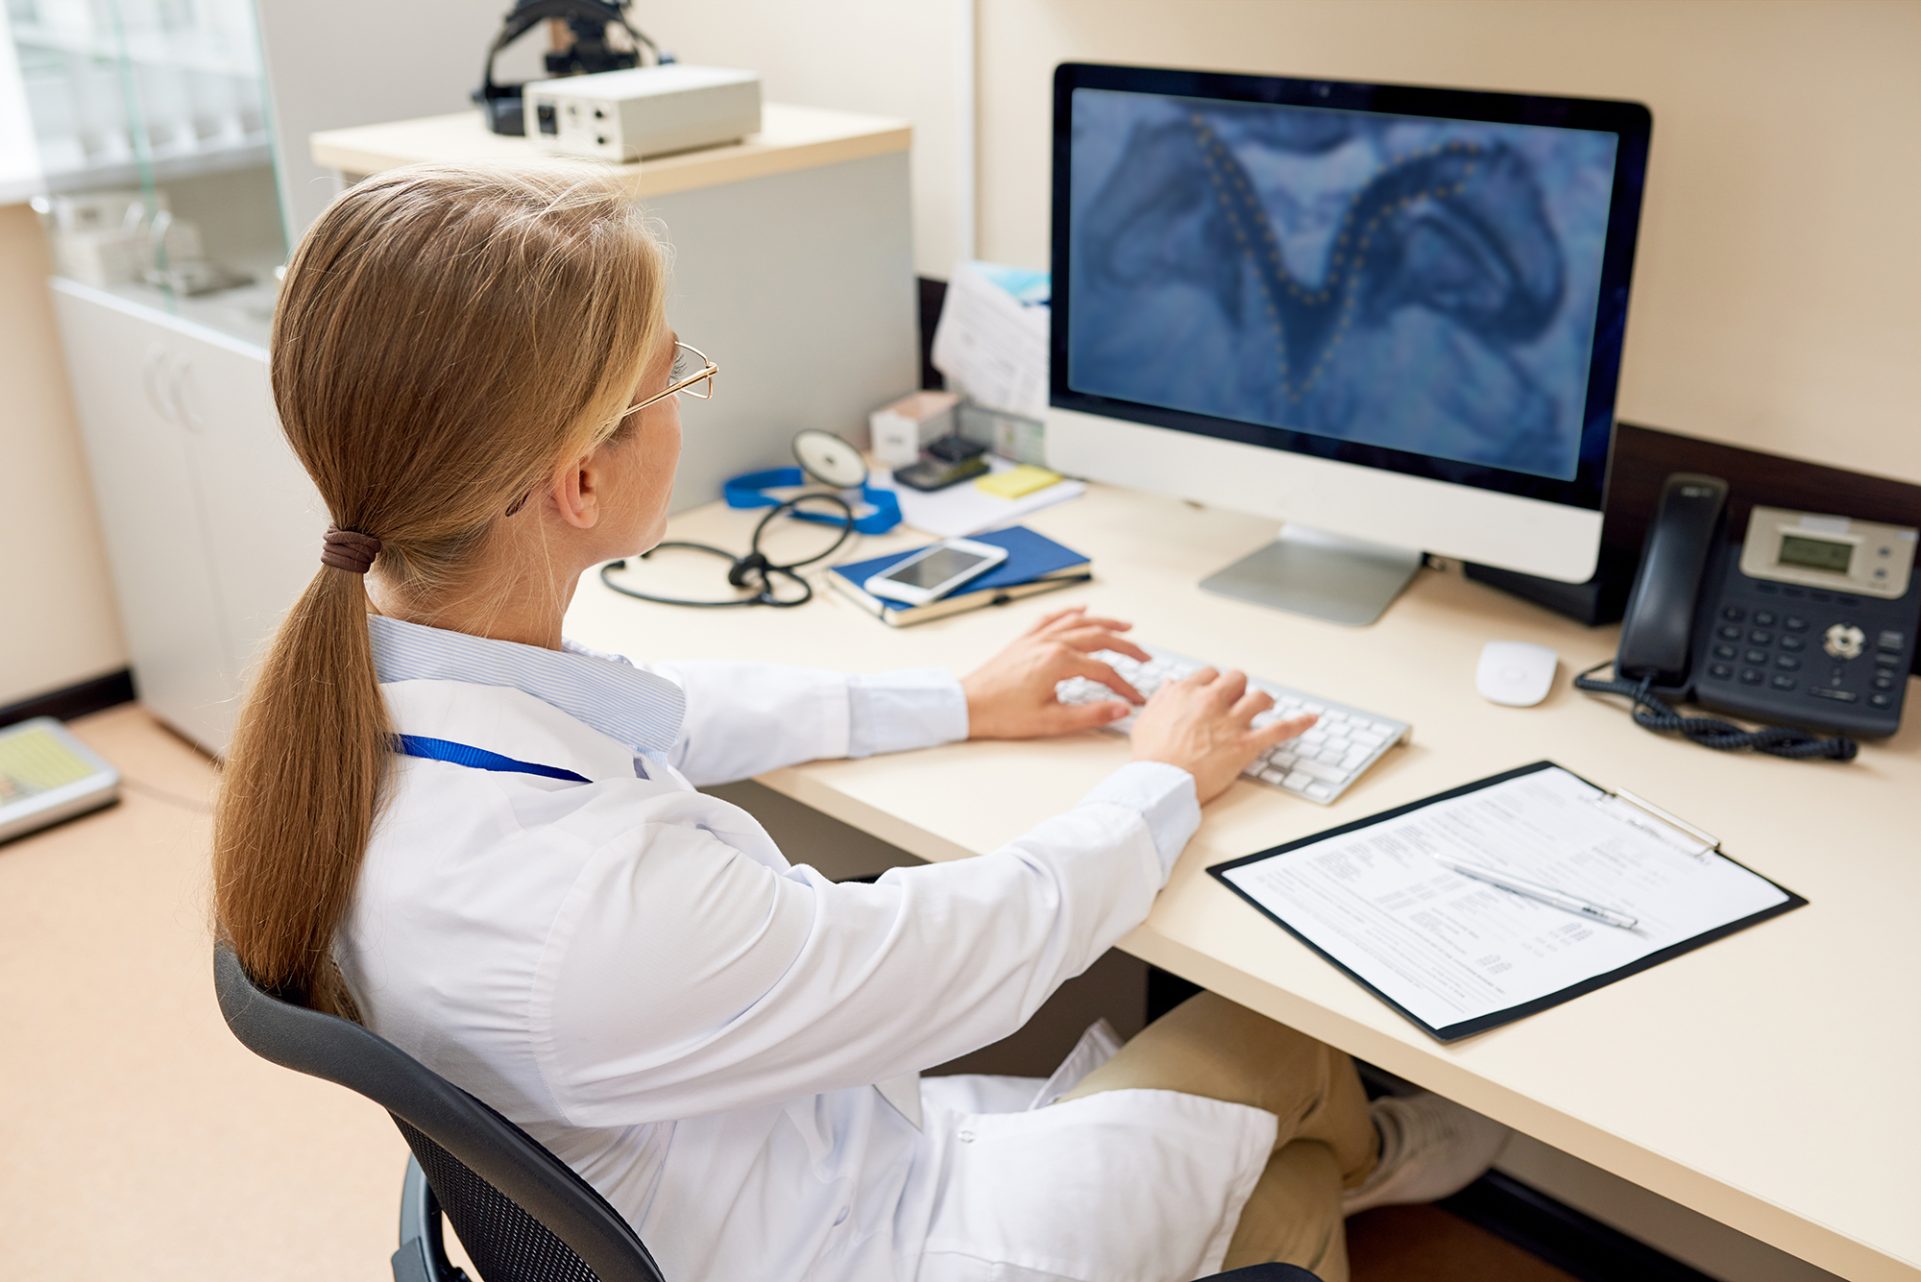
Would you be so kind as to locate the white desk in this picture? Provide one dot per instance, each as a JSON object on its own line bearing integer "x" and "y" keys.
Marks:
{"x": 1761, "y": 1080}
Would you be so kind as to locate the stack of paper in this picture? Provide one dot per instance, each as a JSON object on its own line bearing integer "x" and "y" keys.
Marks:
{"x": 966, "y": 509}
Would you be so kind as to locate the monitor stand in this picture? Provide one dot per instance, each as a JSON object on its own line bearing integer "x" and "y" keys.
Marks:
{"x": 1325, "y": 576}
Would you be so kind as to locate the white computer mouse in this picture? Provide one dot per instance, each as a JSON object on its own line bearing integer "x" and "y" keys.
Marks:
{"x": 1516, "y": 673}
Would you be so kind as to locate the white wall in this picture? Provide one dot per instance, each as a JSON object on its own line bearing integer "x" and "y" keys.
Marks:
{"x": 57, "y": 620}
{"x": 905, "y": 58}
{"x": 359, "y": 62}
{"x": 1777, "y": 289}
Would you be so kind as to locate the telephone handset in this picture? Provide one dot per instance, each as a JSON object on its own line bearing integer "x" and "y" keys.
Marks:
{"x": 1810, "y": 620}
{"x": 1657, "y": 632}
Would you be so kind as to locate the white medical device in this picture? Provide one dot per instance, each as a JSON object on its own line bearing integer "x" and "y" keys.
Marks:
{"x": 642, "y": 111}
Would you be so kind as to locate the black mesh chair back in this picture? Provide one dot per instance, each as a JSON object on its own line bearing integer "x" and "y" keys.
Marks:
{"x": 522, "y": 1213}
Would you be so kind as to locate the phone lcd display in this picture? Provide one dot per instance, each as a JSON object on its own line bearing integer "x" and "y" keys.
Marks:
{"x": 1816, "y": 554}
{"x": 935, "y": 568}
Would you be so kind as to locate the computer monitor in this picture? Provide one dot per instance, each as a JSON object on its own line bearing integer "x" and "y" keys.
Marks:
{"x": 1389, "y": 316}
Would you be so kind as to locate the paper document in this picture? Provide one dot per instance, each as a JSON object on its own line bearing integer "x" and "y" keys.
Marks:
{"x": 1449, "y": 949}
{"x": 966, "y": 509}
{"x": 991, "y": 341}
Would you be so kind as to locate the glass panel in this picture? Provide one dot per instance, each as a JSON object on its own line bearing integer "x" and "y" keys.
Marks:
{"x": 151, "y": 122}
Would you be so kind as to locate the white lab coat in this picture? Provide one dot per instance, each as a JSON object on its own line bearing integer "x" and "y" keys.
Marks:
{"x": 725, "y": 1044}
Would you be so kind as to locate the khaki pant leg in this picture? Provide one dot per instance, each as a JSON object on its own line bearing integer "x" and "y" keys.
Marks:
{"x": 1294, "y": 1215}
{"x": 1209, "y": 1046}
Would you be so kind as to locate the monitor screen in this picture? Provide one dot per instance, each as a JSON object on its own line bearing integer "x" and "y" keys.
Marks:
{"x": 1415, "y": 279}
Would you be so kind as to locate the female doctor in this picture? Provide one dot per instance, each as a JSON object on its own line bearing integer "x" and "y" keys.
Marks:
{"x": 486, "y": 845}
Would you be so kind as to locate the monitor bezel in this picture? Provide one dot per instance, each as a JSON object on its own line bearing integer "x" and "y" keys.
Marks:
{"x": 1630, "y": 122}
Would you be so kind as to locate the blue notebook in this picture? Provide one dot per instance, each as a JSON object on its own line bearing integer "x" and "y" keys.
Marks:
{"x": 1034, "y": 564}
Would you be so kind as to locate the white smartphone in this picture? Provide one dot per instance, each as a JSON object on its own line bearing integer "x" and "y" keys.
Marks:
{"x": 932, "y": 573}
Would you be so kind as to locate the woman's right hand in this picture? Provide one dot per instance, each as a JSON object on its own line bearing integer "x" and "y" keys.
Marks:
{"x": 1203, "y": 723}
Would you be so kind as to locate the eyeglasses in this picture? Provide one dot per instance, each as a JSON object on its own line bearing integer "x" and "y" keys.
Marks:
{"x": 693, "y": 374}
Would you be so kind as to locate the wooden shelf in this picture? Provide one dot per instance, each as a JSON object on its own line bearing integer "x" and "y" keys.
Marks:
{"x": 791, "y": 138}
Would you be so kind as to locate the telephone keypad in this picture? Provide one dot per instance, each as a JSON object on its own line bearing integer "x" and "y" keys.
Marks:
{"x": 1829, "y": 660}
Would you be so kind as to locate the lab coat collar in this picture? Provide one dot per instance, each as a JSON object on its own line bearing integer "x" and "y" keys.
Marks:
{"x": 508, "y": 722}
{"x": 639, "y": 710}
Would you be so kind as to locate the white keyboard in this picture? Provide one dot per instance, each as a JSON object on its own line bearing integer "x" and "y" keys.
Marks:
{"x": 1318, "y": 765}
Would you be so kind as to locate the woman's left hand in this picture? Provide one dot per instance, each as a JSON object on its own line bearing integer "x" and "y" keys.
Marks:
{"x": 1011, "y": 696}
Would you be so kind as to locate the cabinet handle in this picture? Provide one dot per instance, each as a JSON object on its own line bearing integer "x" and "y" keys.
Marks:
{"x": 181, "y": 386}
{"x": 164, "y": 406}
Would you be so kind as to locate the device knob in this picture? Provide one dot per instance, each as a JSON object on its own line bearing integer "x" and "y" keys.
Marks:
{"x": 1844, "y": 641}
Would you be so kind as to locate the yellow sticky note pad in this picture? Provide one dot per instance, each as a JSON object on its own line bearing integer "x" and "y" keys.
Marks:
{"x": 1017, "y": 481}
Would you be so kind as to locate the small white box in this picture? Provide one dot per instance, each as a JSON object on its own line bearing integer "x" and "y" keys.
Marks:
{"x": 643, "y": 111}
{"x": 901, "y": 430}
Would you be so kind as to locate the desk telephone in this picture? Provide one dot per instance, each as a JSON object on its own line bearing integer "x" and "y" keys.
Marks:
{"x": 1810, "y": 621}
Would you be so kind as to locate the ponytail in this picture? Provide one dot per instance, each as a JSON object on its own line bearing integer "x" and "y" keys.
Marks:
{"x": 299, "y": 794}
{"x": 444, "y": 338}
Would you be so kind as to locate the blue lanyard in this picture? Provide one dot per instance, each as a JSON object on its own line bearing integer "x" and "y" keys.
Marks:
{"x": 460, "y": 754}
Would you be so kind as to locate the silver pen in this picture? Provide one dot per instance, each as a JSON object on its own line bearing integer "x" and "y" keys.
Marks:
{"x": 1544, "y": 894}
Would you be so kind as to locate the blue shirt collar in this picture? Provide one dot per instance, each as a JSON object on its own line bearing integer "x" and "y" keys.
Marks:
{"x": 625, "y": 703}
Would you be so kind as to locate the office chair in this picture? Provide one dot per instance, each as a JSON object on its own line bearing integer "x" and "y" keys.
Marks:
{"x": 522, "y": 1213}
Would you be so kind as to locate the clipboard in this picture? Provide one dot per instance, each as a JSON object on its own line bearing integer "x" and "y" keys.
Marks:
{"x": 1651, "y": 820}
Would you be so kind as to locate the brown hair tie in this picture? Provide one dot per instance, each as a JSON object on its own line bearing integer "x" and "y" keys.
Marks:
{"x": 349, "y": 550}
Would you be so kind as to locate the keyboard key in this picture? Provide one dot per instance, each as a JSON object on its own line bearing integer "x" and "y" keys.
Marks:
{"x": 1317, "y": 765}
{"x": 1319, "y": 770}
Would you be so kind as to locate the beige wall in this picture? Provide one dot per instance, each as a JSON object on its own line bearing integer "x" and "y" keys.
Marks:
{"x": 1777, "y": 290}
{"x": 57, "y": 621}
{"x": 905, "y": 58}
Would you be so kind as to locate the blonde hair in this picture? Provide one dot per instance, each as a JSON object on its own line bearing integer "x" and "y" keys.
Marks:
{"x": 445, "y": 337}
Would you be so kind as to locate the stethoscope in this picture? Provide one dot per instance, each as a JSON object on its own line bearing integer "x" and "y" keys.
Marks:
{"x": 823, "y": 457}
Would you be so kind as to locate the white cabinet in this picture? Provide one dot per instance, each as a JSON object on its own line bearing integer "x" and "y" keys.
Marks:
{"x": 263, "y": 516}
{"x": 212, "y": 529}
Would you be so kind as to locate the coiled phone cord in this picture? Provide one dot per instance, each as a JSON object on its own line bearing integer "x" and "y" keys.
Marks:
{"x": 1651, "y": 712}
